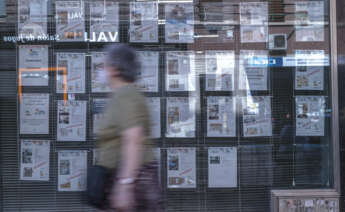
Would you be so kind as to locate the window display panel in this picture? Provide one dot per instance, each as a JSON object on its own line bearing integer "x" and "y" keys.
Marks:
{"x": 99, "y": 82}
{"x": 179, "y": 23}
{"x": 70, "y": 20}
{"x": 180, "y": 71}
{"x": 220, "y": 74}
{"x": 104, "y": 21}
{"x": 154, "y": 104}
{"x": 147, "y": 77}
{"x": 98, "y": 107}
{"x": 33, "y": 65}
{"x": 71, "y": 78}
{"x": 32, "y": 18}
{"x": 143, "y": 22}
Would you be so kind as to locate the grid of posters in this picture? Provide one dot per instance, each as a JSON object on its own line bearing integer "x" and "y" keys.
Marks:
{"x": 221, "y": 116}
{"x": 220, "y": 67}
{"x": 99, "y": 81}
{"x": 253, "y": 20}
{"x": 309, "y": 78}
{"x": 32, "y": 18}
{"x": 180, "y": 71}
{"x": 310, "y": 33}
{"x": 309, "y": 12}
{"x": 72, "y": 169}
{"x": 310, "y": 115}
{"x": 71, "y": 120}
{"x": 34, "y": 160}
{"x": 33, "y": 57}
{"x": 34, "y": 114}
{"x": 143, "y": 22}
{"x": 181, "y": 116}
{"x": 74, "y": 64}
{"x": 154, "y": 104}
{"x": 179, "y": 26}
{"x": 98, "y": 107}
{"x": 181, "y": 167}
{"x": 70, "y": 19}
{"x": 256, "y": 116}
{"x": 104, "y": 21}
{"x": 222, "y": 167}
{"x": 253, "y": 70}
{"x": 147, "y": 79}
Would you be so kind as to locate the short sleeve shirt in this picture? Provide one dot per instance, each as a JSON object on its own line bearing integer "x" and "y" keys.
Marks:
{"x": 126, "y": 109}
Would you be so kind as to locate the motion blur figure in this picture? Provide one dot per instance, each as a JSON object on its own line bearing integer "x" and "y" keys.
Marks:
{"x": 123, "y": 144}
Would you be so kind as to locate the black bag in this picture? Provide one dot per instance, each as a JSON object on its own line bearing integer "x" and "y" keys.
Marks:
{"x": 99, "y": 184}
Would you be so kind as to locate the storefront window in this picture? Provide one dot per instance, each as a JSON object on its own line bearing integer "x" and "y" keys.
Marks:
{"x": 239, "y": 92}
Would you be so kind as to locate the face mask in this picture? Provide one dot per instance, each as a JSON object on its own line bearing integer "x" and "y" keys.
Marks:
{"x": 103, "y": 77}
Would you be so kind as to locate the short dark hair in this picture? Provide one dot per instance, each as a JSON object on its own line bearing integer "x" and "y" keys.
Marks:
{"x": 124, "y": 59}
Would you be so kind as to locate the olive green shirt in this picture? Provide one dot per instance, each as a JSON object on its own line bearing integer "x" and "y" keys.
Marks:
{"x": 126, "y": 109}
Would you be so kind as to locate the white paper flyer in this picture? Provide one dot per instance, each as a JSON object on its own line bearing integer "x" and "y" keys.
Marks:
{"x": 310, "y": 115}
{"x": 253, "y": 70}
{"x": 181, "y": 117}
{"x": 181, "y": 167}
{"x": 179, "y": 26}
{"x": 309, "y": 78}
{"x": 310, "y": 12}
{"x": 104, "y": 21}
{"x": 98, "y": 108}
{"x": 34, "y": 160}
{"x": 99, "y": 82}
{"x": 32, "y": 18}
{"x": 221, "y": 116}
{"x": 147, "y": 79}
{"x": 71, "y": 120}
{"x": 35, "y": 58}
{"x": 70, "y": 20}
{"x": 222, "y": 167}
{"x": 220, "y": 66}
{"x": 34, "y": 114}
{"x": 254, "y": 34}
{"x": 180, "y": 71}
{"x": 154, "y": 105}
{"x": 143, "y": 22}
{"x": 253, "y": 13}
{"x": 74, "y": 64}
{"x": 72, "y": 170}
{"x": 257, "y": 116}
{"x": 315, "y": 33}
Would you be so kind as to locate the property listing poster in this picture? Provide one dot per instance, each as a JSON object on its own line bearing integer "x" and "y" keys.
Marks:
{"x": 70, "y": 20}
{"x": 221, "y": 116}
{"x": 309, "y": 12}
{"x": 99, "y": 81}
{"x": 254, "y": 34}
{"x": 254, "y": 19}
{"x": 309, "y": 78}
{"x": 143, "y": 22}
{"x": 72, "y": 169}
{"x": 257, "y": 116}
{"x": 34, "y": 114}
{"x": 32, "y": 18}
{"x": 104, "y": 21}
{"x": 74, "y": 64}
{"x": 222, "y": 167}
{"x": 147, "y": 79}
{"x": 180, "y": 68}
{"x": 181, "y": 167}
{"x": 34, "y": 160}
{"x": 315, "y": 33}
{"x": 154, "y": 105}
{"x": 179, "y": 26}
{"x": 311, "y": 58}
{"x": 181, "y": 116}
{"x": 71, "y": 120}
{"x": 310, "y": 115}
{"x": 98, "y": 108}
{"x": 220, "y": 67}
{"x": 253, "y": 71}
{"x": 33, "y": 57}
